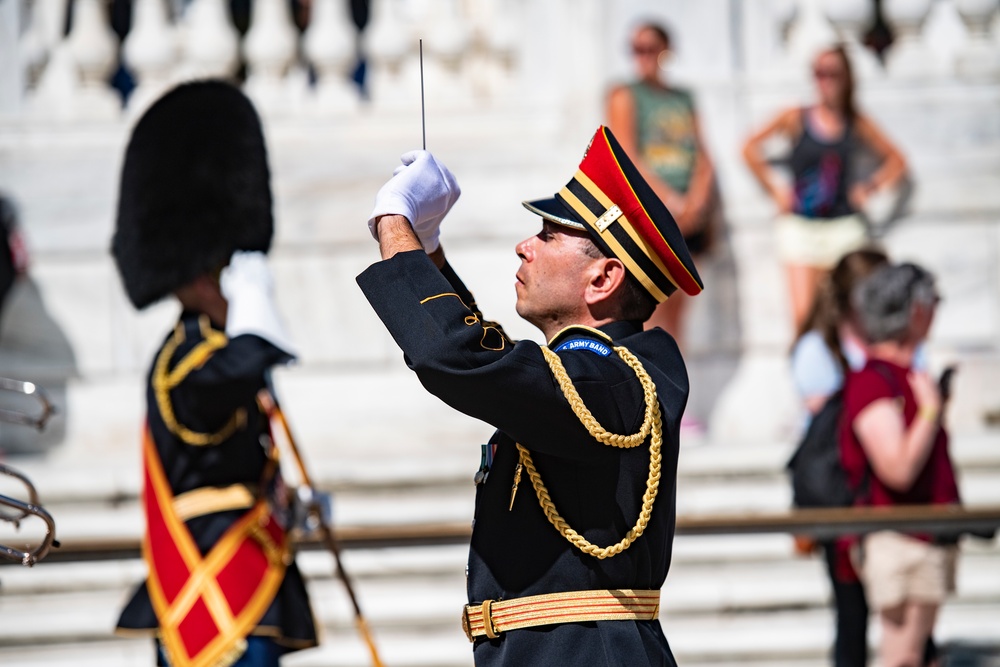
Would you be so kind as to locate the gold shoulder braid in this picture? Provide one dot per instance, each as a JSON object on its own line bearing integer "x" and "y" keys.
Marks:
{"x": 651, "y": 425}
{"x": 165, "y": 379}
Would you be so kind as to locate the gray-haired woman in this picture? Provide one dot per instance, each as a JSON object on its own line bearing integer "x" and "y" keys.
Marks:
{"x": 896, "y": 451}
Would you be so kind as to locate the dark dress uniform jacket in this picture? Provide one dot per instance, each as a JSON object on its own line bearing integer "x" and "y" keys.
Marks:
{"x": 471, "y": 365}
{"x": 204, "y": 402}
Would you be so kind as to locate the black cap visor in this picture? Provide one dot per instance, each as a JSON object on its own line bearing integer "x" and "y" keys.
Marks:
{"x": 555, "y": 211}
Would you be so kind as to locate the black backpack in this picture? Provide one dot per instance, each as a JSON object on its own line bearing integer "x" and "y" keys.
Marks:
{"x": 817, "y": 474}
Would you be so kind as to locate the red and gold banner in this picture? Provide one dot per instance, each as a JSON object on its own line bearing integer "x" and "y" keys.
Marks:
{"x": 207, "y": 605}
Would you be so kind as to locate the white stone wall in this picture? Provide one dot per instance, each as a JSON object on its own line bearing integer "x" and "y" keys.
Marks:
{"x": 511, "y": 117}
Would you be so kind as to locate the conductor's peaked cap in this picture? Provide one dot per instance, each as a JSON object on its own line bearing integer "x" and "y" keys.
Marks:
{"x": 195, "y": 187}
{"x": 610, "y": 199}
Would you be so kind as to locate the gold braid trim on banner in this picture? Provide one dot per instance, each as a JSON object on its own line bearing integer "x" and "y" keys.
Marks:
{"x": 651, "y": 425}
{"x": 165, "y": 379}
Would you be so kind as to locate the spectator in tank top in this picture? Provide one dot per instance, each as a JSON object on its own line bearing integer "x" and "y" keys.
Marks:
{"x": 658, "y": 128}
{"x": 818, "y": 213}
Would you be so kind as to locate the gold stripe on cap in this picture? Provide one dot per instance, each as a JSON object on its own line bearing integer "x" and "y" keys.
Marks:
{"x": 665, "y": 242}
{"x": 616, "y": 247}
{"x": 648, "y": 252}
{"x": 605, "y": 201}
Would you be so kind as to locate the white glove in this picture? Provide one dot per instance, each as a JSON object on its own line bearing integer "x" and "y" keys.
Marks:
{"x": 249, "y": 288}
{"x": 423, "y": 191}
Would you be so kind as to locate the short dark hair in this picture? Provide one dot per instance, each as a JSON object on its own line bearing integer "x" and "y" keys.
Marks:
{"x": 634, "y": 302}
{"x": 884, "y": 301}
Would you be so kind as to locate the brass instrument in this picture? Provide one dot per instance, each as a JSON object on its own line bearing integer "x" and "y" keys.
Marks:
{"x": 21, "y": 509}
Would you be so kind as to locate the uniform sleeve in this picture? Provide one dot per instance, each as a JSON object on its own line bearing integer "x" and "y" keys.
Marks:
{"x": 814, "y": 370}
{"x": 470, "y": 365}
{"x": 228, "y": 381}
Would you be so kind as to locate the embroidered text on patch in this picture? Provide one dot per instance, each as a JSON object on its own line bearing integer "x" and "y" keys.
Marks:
{"x": 595, "y": 346}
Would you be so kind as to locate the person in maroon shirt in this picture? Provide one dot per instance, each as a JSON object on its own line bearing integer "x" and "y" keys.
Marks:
{"x": 895, "y": 451}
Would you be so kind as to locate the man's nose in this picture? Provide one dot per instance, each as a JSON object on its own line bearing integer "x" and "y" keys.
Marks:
{"x": 523, "y": 249}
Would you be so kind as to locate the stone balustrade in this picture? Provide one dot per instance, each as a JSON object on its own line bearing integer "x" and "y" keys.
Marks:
{"x": 513, "y": 89}
{"x": 475, "y": 49}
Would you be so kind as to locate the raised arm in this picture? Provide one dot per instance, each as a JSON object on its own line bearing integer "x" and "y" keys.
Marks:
{"x": 893, "y": 165}
{"x": 898, "y": 453}
{"x": 786, "y": 124}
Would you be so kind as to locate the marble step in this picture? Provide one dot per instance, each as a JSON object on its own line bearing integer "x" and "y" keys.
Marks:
{"x": 427, "y": 463}
{"x": 453, "y": 503}
{"x": 783, "y": 639}
{"x": 74, "y": 602}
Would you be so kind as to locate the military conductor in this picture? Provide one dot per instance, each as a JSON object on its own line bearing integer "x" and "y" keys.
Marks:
{"x": 575, "y": 496}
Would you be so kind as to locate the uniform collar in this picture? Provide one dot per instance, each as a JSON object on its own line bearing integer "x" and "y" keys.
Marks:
{"x": 607, "y": 333}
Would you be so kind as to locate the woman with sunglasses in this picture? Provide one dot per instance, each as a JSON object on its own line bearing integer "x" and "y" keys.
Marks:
{"x": 819, "y": 221}
{"x": 658, "y": 128}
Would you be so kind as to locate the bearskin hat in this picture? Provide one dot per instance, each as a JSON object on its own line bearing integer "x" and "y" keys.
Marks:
{"x": 195, "y": 187}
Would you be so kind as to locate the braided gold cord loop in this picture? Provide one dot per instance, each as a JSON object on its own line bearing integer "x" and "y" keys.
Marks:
{"x": 651, "y": 425}
{"x": 583, "y": 412}
{"x": 164, "y": 380}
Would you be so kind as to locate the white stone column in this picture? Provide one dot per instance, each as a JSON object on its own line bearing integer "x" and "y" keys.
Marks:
{"x": 43, "y": 33}
{"x": 210, "y": 42}
{"x": 909, "y": 57}
{"x": 94, "y": 48}
{"x": 808, "y": 34}
{"x": 499, "y": 47}
{"x": 849, "y": 18}
{"x": 781, "y": 14}
{"x": 980, "y": 57}
{"x": 446, "y": 47}
{"x": 270, "y": 48}
{"x": 150, "y": 50}
{"x": 388, "y": 43}
{"x": 330, "y": 44}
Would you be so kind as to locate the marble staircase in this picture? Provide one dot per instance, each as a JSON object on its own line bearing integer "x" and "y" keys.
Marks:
{"x": 728, "y": 600}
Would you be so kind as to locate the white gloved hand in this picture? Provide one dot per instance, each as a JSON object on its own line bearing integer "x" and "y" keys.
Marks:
{"x": 423, "y": 191}
{"x": 249, "y": 289}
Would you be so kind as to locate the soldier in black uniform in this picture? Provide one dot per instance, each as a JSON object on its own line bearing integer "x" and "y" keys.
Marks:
{"x": 575, "y": 498}
{"x": 223, "y": 588}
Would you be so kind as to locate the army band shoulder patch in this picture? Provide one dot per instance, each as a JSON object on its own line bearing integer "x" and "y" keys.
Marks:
{"x": 589, "y": 344}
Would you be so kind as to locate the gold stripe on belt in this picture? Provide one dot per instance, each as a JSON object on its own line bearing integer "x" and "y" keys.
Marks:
{"x": 211, "y": 499}
{"x": 493, "y": 617}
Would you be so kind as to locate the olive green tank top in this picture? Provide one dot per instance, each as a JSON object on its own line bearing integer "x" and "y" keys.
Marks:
{"x": 666, "y": 132}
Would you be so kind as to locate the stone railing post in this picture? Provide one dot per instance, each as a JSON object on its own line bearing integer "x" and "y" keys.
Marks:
{"x": 980, "y": 57}
{"x": 44, "y": 32}
{"x": 388, "y": 43}
{"x": 270, "y": 49}
{"x": 849, "y": 18}
{"x": 809, "y": 32}
{"x": 330, "y": 44}
{"x": 211, "y": 44}
{"x": 94, "y": 47}
{"x": 498, "y": 47}
{"x": 448, "y": 44}
{"x": 150, "y": 50}
{"x": 909, "y": 57}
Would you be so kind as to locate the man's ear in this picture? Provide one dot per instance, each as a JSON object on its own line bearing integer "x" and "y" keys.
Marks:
{"x": 606, "y": 276}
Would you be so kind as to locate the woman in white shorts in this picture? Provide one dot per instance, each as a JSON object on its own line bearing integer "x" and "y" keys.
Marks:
{"x": 896, "y": 450}
{"x": 818, "y": 221}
